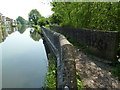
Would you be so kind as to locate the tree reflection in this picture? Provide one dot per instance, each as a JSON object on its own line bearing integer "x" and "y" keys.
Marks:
{"x": 4, "y": 31}
{"x": 10, "y": 30}
{"x": 21, "y": 28}
{"x": 35, "y": 34}
{"x": 3, "y": 34}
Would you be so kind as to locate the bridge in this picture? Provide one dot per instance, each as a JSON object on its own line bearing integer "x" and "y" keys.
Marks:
{"x": 65, "y": 52}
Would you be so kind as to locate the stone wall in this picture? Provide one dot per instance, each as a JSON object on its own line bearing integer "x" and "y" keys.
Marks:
{"x": 103, "y": 44}
{"x": 64, "y": 52}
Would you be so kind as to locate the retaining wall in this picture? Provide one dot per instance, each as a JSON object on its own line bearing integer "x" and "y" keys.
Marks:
{"x": 103, "y": 44}
{"x": 64, "y": 52}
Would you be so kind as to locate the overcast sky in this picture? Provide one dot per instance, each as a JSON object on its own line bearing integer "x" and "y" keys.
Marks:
{"x": 15, "y": 8}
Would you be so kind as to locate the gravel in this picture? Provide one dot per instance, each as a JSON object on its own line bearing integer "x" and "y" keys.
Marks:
{"x": 95, "y": 74}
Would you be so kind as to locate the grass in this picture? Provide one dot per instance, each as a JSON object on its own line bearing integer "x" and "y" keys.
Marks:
{"x": 79, "y": 83}
{"x": 116, "y": 70}
{"x": 51, "y": 75}
{"x": 47, "y": 26}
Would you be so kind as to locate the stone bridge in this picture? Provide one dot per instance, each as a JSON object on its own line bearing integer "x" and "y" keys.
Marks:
{"x": 64, "y": 52}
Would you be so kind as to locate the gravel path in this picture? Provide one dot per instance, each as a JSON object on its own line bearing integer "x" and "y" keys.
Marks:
{"x": 95, "y": 74}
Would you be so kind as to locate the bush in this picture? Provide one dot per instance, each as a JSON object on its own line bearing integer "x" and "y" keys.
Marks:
{"x": 116, "y": 70}
{"x": 51, "y": 75}
{"x": 42, "y": 21}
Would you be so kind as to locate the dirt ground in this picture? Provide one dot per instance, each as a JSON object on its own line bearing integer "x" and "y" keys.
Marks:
{"x": 95, "y": 74}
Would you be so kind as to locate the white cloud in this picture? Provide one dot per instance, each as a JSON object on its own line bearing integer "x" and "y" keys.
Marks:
{"x": 15, "y": 8}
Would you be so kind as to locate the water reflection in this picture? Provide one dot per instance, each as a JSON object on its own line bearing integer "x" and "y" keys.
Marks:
{"x": 24, "y": 61}
{"x": 35, "y": 35}
{"x": 5, "y": 31}
{"x": 1, "y": 35}
{"x": 21, "y": 28}
{"x": 11, "y": 30}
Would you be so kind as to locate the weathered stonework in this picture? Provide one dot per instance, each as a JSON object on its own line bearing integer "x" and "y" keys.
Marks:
{"x": 103, "y": 44}
{"x": 63, "y": 50}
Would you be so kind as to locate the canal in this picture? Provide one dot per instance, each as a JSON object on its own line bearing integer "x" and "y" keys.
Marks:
{"x": 24, "y": 60}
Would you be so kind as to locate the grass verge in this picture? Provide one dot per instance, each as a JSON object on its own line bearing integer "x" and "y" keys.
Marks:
{"x": 79, "y": 82}
{"x": 51, "y": 75}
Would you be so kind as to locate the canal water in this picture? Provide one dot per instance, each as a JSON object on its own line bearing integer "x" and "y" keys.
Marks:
{"x": 24, "y": 60}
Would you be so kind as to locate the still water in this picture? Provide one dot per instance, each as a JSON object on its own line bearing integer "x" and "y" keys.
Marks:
{"x": 24, "y": 60}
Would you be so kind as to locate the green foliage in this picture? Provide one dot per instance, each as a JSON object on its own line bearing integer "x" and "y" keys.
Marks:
{"x": 55, "y": 19}
{"x": 92, "y": 15}
{"x": 42, "y": 21}
{"x": 36, "y": 27}
{"x": 21, "y": 28}
{"x": 51, "y": 78}
{"x": 34, "y": 34}
{"x": 79, "y": 83}
{"x": 116, "y": 70}
{"x": 118, "y": 51}
{"x": 34, "y": 15}
{"x": 47, "y": 26}
{"x": 21, "y": 20}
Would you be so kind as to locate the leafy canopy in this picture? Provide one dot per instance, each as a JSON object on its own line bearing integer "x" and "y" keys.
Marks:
{"x": 92, "y": 15}
{"x": 21, "y": 20}
{"x": 42, "y": 21}
{"x": 33, "y": 16}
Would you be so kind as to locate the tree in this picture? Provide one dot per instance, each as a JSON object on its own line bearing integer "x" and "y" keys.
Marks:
{"x": 34, "y": 15}
{"x": 21, "y": 20}
{"x": 55, "y": 19}
{"x": 42, "y": 21}
{"x": 92, "y": 15}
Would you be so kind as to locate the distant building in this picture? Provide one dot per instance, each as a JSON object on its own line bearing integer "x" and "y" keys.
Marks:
{"x": 8, "y": 21}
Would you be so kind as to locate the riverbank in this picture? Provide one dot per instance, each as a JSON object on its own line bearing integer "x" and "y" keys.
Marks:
{"x": 51, "y": 75}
